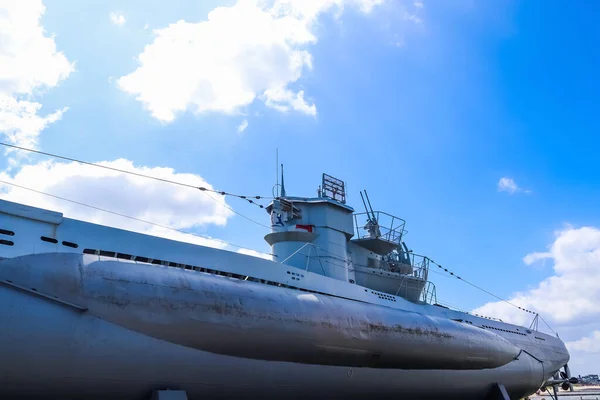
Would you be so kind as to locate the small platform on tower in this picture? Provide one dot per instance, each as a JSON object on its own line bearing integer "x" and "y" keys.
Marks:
{"x": 377, "y": 231}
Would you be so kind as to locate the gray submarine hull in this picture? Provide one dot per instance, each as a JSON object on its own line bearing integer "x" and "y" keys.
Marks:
{"x": 80, "y": 326}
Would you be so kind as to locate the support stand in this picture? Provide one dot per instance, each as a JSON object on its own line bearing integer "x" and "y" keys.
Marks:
{"x": 498, "y": 392}
{"x": 168, "y": 395}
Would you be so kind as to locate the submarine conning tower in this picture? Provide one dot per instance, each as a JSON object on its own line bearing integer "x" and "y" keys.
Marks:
{"x": 316, "y": 235}
{"x": 312, "y": 233}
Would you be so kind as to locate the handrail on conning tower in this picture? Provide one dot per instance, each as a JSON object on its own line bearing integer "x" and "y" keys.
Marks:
{"x": 308, "y": 256}
{"x": 391, "y": 228}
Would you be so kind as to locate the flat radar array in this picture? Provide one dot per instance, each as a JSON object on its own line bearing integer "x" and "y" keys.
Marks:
{"x": 333, "y": 188}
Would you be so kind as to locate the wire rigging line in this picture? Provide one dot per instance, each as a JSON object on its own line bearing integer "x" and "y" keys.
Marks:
{"x": 480, "y": 288}
{"x": 548, "y": 325}
{"x": 127, "y": 216}
{"x": 204, "y": 190}
{"x": 237, "y": 212}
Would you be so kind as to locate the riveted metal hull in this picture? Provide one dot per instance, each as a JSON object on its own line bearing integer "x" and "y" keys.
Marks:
{"x": 94, "y": 328}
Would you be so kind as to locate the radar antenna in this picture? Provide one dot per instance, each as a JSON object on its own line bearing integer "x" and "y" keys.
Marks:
{"x": 333, "y": 188}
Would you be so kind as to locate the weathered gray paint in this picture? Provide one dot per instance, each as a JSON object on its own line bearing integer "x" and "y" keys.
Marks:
{"x": 247, "y": 319}
{"x": 150, "y": 327}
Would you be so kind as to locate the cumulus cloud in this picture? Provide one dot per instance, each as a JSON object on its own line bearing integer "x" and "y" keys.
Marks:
{"x": 117, "y": 18}
{"x": 157, "y": 202}
{"x": 585, "y": 353}
{"x": 28, "y": 58}
{"x": 283, "y": 100}
{"x": 253, "y": 49}
{"x": 20, "y": 121}
{"x": 242, "y": 127}
{"x": 589, "y": 344}
{"x": 568, "y": 299}
{"x": 509, "y": 185}
{"x": 414, "y": 17}
{"x": 535, "y": 257}
{"x": 29, "y": 64}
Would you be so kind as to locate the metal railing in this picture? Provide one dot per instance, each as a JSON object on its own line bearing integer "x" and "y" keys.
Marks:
{"x": 429, "y": 294}
{"x": 412, "y": 290}
{"x": 391, "y": 228}
{"x": 308, "y": 256}
{"x": 419, "y": 264}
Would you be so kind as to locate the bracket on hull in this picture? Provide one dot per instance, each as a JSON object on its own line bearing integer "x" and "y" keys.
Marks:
{"x": 168, "y": 395}
{"x": 498, "y": 392}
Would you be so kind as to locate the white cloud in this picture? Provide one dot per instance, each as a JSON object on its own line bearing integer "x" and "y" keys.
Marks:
{"x": 536, "y": 256}
{"x": 568, "y": 299}
{"x": 242, "y": 127}
{"x": 29, "y": 64}
{"x": 20, "y": 122}
{"x": 117, "y": 18}
{"x": 261, "y": 51}
{"x": 509, "y": 185}
{"x": 158, "y": 202}
{"x": 284, "y": 99}
{"x": 28, "y": 58}
{"x": 414, "y": 18}
{"x": 589, "y": 344}
{"x": 585, "y": 353}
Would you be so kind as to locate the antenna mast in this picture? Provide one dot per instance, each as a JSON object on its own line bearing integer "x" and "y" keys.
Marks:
{"x": 282, "y": 184}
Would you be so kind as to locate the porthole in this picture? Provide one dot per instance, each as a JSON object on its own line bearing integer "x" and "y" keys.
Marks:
{"x": 49, "y": 239}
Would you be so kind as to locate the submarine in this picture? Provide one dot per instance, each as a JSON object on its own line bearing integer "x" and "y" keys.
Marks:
{"x": 342, "y": 309}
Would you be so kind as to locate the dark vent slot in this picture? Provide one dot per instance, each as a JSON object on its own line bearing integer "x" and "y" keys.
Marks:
{"x": 89, "y": 251}
{"x": 7, "y": 233}
{"x": 107, "y": 253}
{"x": 141, "y": 259}
{"x": 6, "y": 242}
{"x": 158, "y": 262}
{"x": 49, "y": 240}
{"x": 125, "y": 256}
{"x": 70, "y": 244}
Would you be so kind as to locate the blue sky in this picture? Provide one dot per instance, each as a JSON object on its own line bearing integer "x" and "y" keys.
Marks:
{"x": 426, "y": 105}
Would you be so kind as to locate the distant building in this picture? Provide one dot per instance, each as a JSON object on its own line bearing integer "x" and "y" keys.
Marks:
{"x": 590, "y": 380}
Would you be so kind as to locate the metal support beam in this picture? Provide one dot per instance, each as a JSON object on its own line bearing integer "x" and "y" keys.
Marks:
{"x": 498, "y": 392}
{"x": 168, "y": 395}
